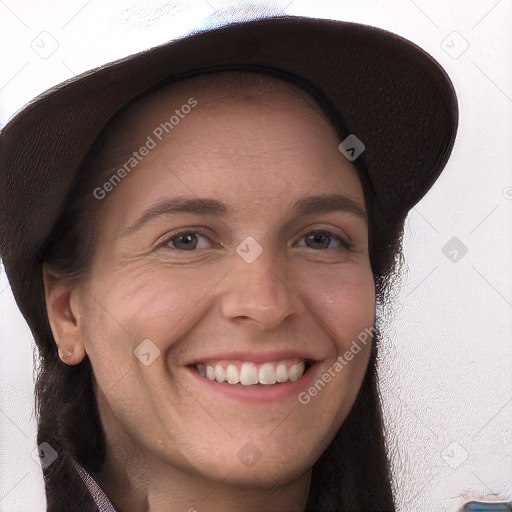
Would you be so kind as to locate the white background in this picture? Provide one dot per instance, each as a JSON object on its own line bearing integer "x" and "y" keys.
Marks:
{"x": 446, "y": 365}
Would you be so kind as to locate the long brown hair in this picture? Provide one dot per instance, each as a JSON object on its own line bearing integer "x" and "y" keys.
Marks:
{"x": 352, "y": 475}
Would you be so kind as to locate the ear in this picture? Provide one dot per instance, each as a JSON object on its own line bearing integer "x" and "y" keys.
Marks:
{"x": 62, "y": 311}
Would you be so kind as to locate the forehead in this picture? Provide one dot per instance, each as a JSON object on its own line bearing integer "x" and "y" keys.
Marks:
{"x": 216, "y": 90}
{"x": 246, "y": 132}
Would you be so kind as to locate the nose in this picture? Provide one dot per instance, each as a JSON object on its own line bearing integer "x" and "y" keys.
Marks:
{"x": 260, "y": 292}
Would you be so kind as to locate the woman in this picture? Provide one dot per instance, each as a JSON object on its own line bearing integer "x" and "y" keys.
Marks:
{"x": 204, "y": 234}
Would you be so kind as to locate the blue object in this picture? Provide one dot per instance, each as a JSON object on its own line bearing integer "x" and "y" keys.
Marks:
{"x": 487, "y": 506}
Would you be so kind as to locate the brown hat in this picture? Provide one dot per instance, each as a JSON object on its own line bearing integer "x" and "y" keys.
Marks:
{"x": 398, "y": 107}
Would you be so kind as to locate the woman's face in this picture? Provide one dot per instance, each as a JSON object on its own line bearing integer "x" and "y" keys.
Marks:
{"x": 242, "y": 288}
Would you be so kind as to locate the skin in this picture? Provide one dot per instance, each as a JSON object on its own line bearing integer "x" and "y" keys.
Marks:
{"x": 170, "y": 444}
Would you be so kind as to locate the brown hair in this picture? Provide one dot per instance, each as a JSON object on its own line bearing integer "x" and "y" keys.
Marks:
{"x": 353, "y": 473}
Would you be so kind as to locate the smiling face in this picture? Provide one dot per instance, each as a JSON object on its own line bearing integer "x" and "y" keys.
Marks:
{"x": 235, "y": 248}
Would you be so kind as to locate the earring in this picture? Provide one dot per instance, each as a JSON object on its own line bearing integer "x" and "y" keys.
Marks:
{"x": 71, "y": 353}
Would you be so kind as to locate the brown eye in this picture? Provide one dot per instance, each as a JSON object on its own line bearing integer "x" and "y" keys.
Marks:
{"x": 323, "y": 239}
{"x": 186, "y": 241}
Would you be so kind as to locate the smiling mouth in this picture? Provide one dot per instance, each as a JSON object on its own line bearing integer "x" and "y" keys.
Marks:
{"x": 243, "y": 373}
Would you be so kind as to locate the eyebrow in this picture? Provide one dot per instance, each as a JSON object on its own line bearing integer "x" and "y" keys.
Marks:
{"x": 306, "y": 206}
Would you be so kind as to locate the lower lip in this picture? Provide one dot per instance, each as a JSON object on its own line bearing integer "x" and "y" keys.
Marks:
{"x": 271, "y": 393}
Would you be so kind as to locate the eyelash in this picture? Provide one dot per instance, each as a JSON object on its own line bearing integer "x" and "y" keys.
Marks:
{"x": 345, "y": 245}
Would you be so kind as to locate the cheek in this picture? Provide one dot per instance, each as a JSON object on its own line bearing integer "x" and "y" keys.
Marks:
{"x": 344, "y": 303}
{"x": 141, "y": 301}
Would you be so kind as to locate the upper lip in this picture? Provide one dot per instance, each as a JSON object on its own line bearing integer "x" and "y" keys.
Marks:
{"x": 254, "y": 357}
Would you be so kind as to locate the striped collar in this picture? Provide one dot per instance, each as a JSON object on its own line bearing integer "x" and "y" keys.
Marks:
{"x": 96, "y": 492}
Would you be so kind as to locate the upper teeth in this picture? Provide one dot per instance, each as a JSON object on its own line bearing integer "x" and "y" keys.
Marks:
{"x": 247, "y": 374}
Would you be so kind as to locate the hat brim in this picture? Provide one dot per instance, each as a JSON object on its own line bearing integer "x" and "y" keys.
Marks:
{"x": 392, "y": 95}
